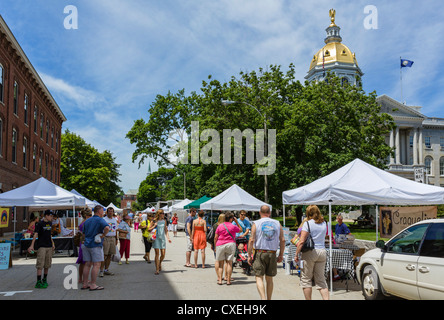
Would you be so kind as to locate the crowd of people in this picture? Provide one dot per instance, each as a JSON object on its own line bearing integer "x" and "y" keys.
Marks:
{"x": 257, "y": 246}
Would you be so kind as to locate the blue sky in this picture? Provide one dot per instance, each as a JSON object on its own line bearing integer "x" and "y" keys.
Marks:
{"x": 105, "y": 74}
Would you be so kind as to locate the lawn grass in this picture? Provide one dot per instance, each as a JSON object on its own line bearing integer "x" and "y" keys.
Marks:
{"x": 367, "y": 233}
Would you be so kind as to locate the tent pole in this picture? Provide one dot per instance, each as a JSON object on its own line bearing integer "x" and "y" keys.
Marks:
{"x": 284, "y": 215}
{"x": 330, "y": 255}
{"x": 377, "y": 223}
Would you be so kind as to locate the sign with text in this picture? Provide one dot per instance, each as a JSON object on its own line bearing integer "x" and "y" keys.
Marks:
{"x": 5, "y": 255}
{"x": 395, "y": 219}
{"x": 4, "y": 217}
{"x": 419, "y": 175}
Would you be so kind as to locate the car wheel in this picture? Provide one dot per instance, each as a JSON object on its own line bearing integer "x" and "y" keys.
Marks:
{"x": 370, "y": 285}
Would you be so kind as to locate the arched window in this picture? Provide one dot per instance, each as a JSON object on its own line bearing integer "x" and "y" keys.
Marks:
{"x": 344, "y": 81}
{"x": 428, "y": 165}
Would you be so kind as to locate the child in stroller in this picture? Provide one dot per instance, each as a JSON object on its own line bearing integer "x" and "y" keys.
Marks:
{"x": 242, "y": 255}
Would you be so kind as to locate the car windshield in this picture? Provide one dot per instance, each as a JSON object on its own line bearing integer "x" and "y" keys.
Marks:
{"x": 408, "y": 241}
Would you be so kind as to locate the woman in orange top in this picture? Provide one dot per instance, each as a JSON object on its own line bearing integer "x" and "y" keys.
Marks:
{"x": 199, "y": 236}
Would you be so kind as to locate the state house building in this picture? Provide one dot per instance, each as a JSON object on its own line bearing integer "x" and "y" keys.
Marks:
{"x": 30, "y": 123}
{"x": 418, "y": 140}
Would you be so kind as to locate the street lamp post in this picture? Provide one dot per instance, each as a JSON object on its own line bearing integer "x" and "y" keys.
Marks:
{"x": 228, "y": 102}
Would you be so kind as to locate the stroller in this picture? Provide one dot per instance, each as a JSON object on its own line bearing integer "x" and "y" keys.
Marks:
{"x": 242, "y": 255}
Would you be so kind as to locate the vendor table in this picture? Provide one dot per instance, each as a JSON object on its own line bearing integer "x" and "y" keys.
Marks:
{"x": 341, "y": 259}
{"x": 61, "y": 243}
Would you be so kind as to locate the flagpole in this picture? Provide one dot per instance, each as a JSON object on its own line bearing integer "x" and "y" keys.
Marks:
{"x": 400, "y": 71}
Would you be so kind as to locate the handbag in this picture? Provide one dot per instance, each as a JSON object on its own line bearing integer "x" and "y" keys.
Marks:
{"x": 153, "y": 235}
{"x": 309, "y": 243}
{"x": 295, "y": 239}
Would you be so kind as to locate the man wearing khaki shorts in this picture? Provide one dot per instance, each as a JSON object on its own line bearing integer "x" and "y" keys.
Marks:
{"x": 109, "y": 242}
{"x": 267, "y": 236}
{"x": 42, "y": 237}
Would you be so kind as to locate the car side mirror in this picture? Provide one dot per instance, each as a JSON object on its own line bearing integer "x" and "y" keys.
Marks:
{"x": 381, "y": 245}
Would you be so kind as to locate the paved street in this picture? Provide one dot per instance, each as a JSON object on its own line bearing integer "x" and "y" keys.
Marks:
{"x": 138, "y": 281}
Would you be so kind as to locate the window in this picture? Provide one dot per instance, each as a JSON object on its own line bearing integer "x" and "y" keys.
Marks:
{"x": 428, "y": 165}
{"x": 46, "y": 166}
{"x": 411, "y": 141}
{"x": 25, "y": 152}
{"x": 25, "y": 107}
{"x": 433, "y": 245}
{"x": 47, "y": 131}
{"x": 34, "y": 158}
{"x": 441, "y": 166}
{"x": 36, "y": 113}
{"x": 14, "y": 145}
{"x": 441, "y": 142}
{"x": 428, "y": 142}
{"x": 52, "y": 169}
{"x": 15, "y": 105}
{"x": 42, "y": 120}
{"x": 52, "y": 137}
{"x": 57, "y": 142}
{"x": 344, "y": 81}
{"x": 1, "y": 83}
{"x": 408, "y": 241}
{"x": 40, "y": 161}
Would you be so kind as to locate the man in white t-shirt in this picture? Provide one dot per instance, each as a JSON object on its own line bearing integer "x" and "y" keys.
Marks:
{"x": 267, "y": 236}
{"x": 109, "y": 242}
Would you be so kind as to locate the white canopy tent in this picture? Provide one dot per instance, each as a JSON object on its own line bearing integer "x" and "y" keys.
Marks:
{"x": 116, "y": 209}
{"x": 180, "y": 205}
{"x": 234, "y": 198}
{"x": 89, "y": 203}
{"x": 42, "y": 194}
{"x": 359, "y": 183}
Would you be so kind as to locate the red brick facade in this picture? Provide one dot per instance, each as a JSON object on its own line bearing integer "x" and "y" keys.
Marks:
{"x": 30, "y": 123}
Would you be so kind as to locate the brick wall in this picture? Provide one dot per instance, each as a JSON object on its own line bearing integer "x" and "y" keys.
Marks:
{"x": 30, "y": 121}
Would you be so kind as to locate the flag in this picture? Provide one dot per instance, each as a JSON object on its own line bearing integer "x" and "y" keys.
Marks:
{"x": 406, "y": 63}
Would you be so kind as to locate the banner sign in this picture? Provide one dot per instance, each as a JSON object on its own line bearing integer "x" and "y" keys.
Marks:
{"x": 5, "y": 255}
{"x": 395, "y": 219}
{"x": 4, "y": 217}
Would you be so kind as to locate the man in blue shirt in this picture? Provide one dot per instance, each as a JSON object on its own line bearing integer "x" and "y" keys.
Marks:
{"x": 341, "y": 228}
{"x": 95, "y": 229}
{"x": 245, "y": 224}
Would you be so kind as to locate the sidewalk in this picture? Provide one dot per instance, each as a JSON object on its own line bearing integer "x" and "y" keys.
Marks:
{"x": 138, "y": 281}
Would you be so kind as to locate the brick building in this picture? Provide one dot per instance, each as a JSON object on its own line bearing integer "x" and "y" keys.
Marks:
{"x": 128, "y": 199}
{"x": 30, "y": 123}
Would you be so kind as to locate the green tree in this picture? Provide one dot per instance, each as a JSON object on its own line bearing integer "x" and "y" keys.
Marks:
{"x": 93, "y": 174}
{"x": 319, "y": 128}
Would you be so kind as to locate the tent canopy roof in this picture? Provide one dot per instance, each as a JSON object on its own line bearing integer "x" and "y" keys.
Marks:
{"x": 234, "y": 198}
{"x": 359, "y": 183}
{"x": 196, "y": 204}
{"x": 41, "y": 194}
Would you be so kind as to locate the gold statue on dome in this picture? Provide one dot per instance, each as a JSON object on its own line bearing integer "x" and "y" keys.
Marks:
{"x": 332, "y": 14}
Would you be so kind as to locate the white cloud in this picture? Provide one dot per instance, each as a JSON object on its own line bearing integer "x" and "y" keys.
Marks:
{"x": 106, "y": 74}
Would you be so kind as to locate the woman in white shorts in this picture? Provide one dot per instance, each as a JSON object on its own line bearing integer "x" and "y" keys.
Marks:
{"x": 225, "y": 240}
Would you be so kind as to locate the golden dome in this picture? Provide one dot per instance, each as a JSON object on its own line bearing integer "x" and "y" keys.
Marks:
{"x": 333, "y": 52}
